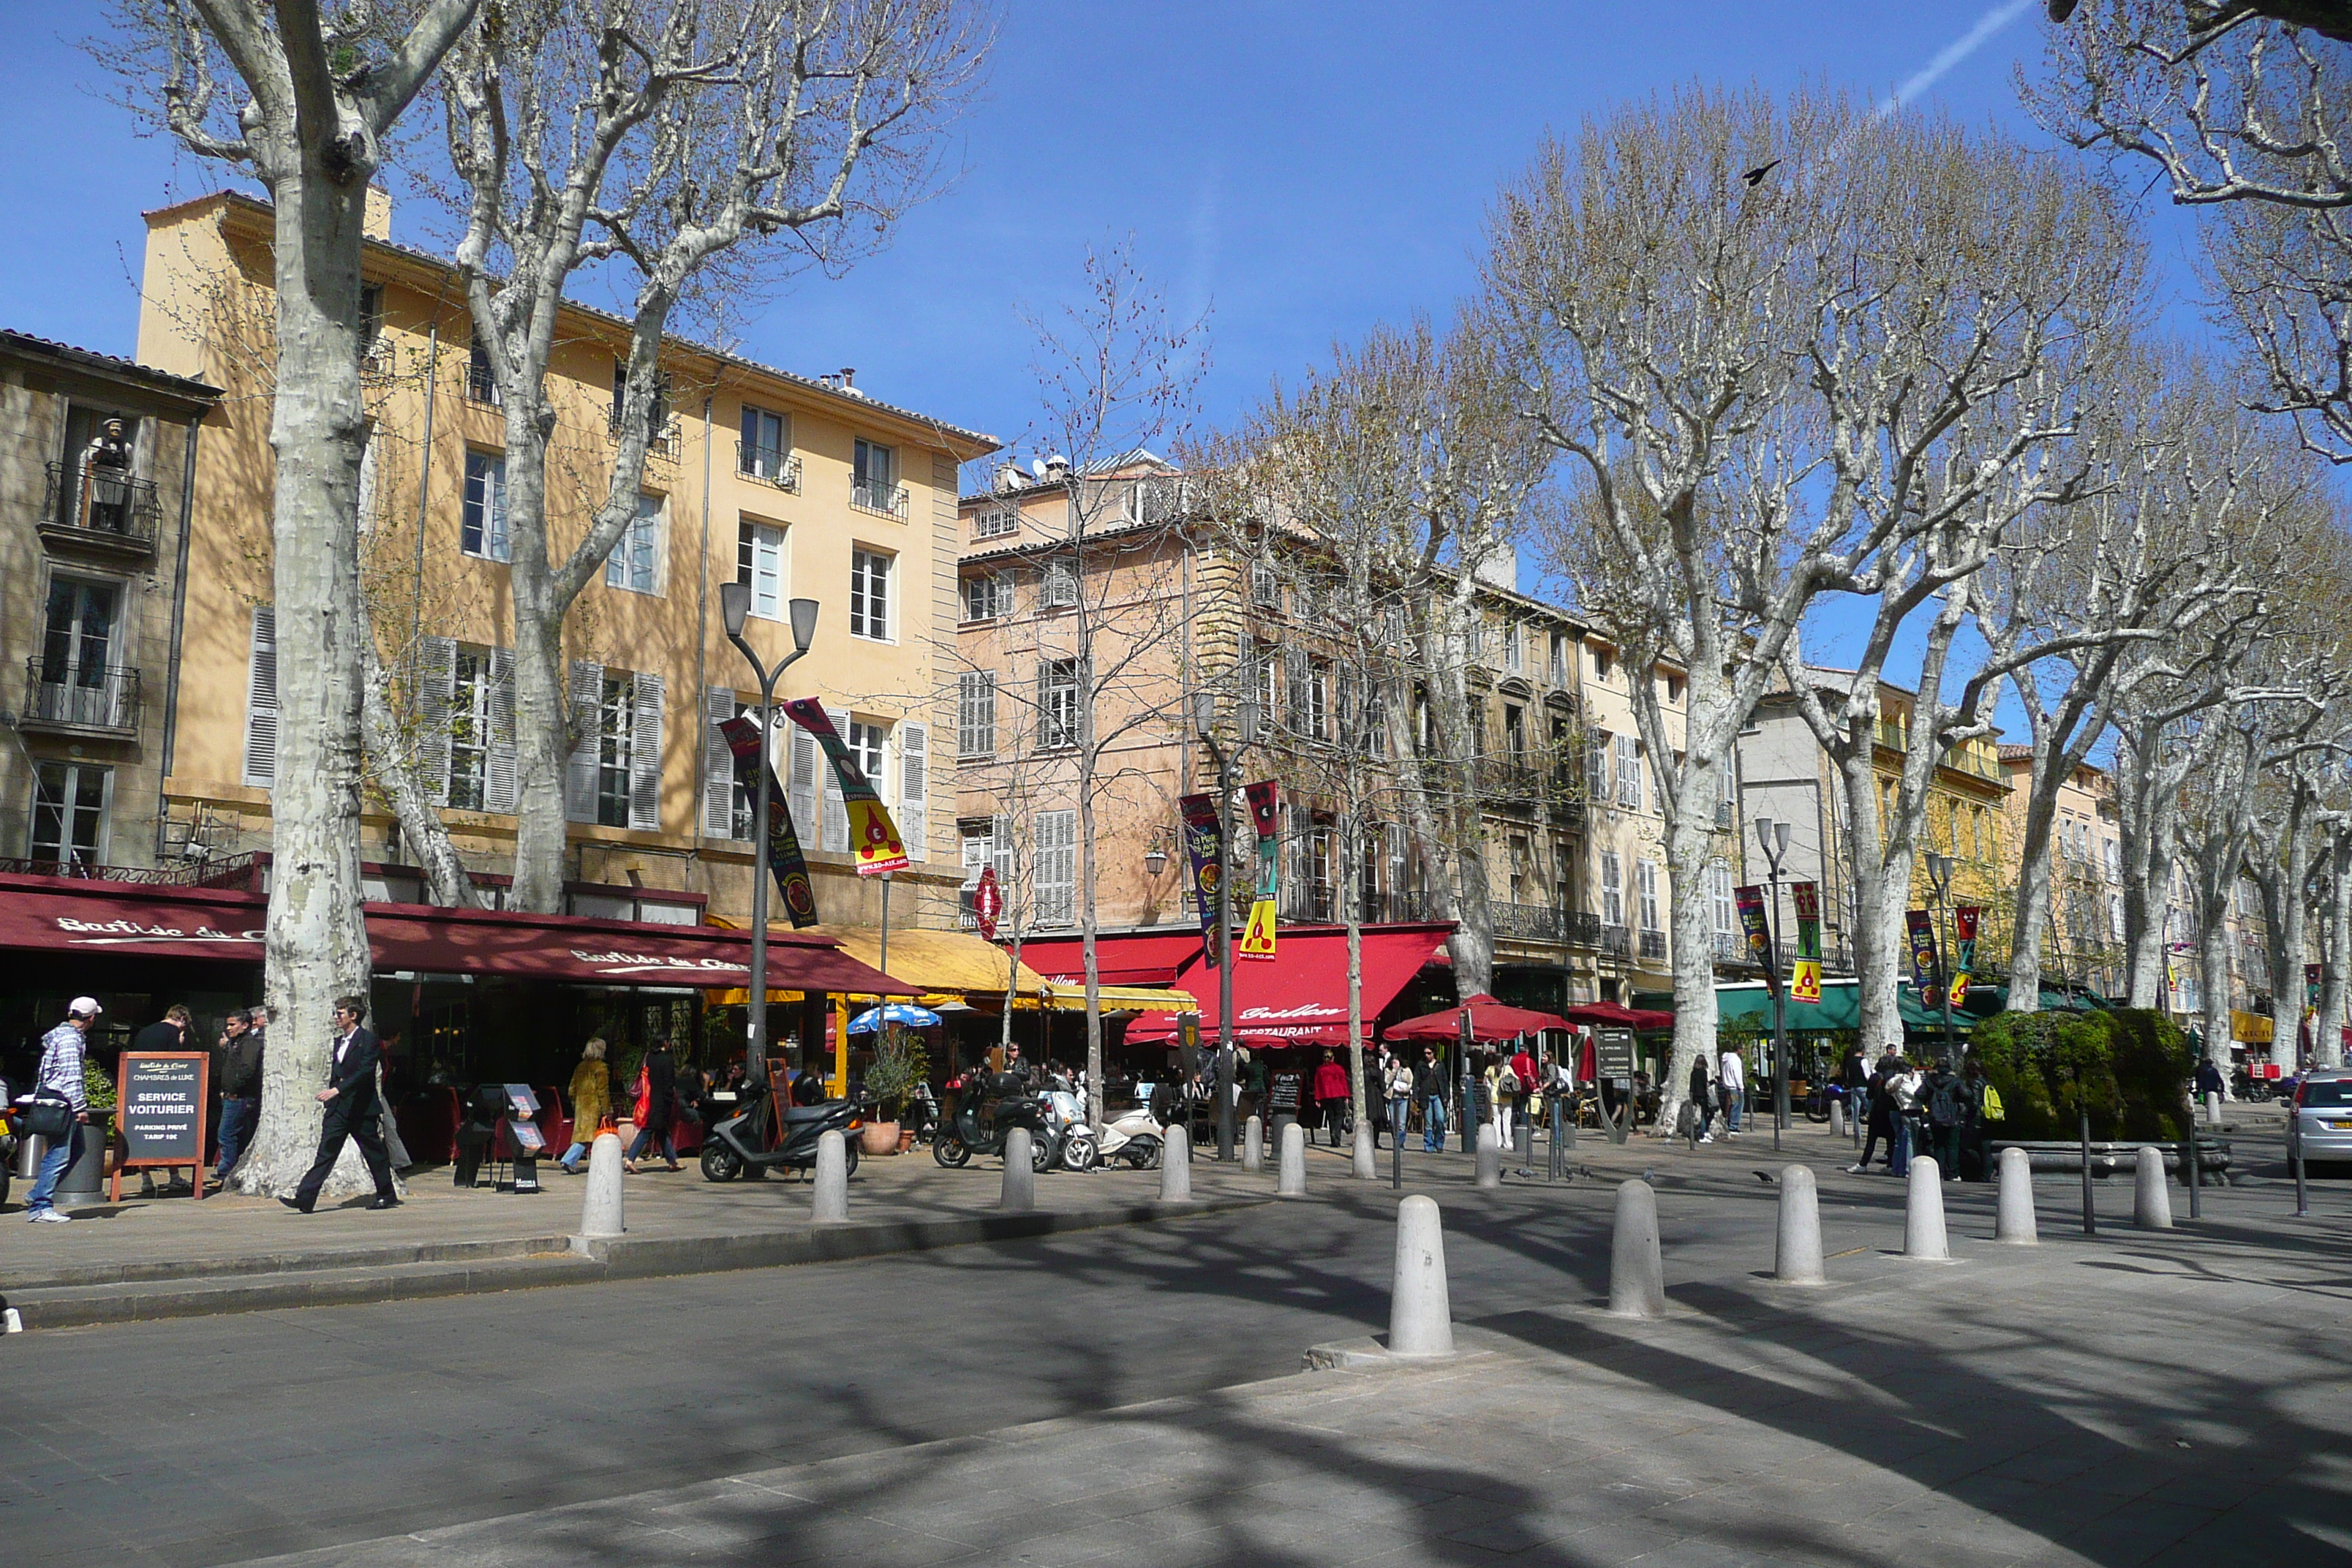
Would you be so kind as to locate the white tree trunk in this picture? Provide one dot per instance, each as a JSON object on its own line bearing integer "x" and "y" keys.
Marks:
{"x": 446, "y": 878}
{"x": 2335, "y": 970}
{"x": 2213, "y": 980}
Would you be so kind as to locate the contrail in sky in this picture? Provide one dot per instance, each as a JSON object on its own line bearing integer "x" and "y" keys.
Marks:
{"x": 1991, "y": 22}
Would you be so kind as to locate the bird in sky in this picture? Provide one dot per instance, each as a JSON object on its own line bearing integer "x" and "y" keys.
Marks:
{"x": 1755, "y": 176}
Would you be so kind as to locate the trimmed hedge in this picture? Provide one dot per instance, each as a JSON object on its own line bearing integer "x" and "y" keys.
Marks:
{"x": 2130, "y": 1065}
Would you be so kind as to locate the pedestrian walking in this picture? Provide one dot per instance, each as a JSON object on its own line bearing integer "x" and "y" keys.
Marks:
{"x": 1879, "y": 1112}
{"x": 1980, "y": 1105}
{"x": 1525, "y": 1068}
{"x": 657, "y": 1108}
{"x": 592, "y": 1101}
{"x": 350, "y": 1098}
{"x": 1943, "y": 1109}
{"x": 1903, "y": 1096}
{"x": 61, "y": 1074}
{"x": 239, "y": 1076}
{"x": 1502, "y": 1097}
{"x": 1699, "y": 1109}
{"x": 2207, "y": 1080}
{"x": 1398, "y": 1091}
{"x": 1429, "y": 1088}
{"x": 1732, "y": 1079}
{"x": 1331, "y": 1094}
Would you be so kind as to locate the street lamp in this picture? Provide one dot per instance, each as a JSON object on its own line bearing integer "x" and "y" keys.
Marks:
{"x": 1940, "y": 883}
{"x": 734, "y": 609}
{"x": 1205, "y": 723}
{"x": 1155, "y": 859}
{"x": 1773, "y": 837}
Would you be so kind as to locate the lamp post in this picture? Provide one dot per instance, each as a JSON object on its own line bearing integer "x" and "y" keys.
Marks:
{"x": 1939, "y": 884}
{"x": 734, "y": 609}
{"x": 1773, "y": 836}
{"x": 1204, "y": 722}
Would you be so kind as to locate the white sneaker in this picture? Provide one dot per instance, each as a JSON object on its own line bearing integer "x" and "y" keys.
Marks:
{"x": 50, "y": 1217}
{"x": 1706, "y": 1136}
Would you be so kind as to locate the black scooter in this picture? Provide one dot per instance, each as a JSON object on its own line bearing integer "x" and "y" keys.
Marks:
{"x": 739, "y": 1145}
{"x": 1016, "y": 1105}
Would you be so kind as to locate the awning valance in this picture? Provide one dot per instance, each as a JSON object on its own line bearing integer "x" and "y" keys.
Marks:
{"x": 1300, "y": 998}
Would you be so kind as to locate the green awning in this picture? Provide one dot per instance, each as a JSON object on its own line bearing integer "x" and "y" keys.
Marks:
{"x": 1748, "y": 1004}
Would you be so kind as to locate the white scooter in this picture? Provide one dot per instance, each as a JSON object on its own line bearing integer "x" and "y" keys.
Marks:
{"x": 1065, "y": 1120}
{"x": 1135, "y": 1137}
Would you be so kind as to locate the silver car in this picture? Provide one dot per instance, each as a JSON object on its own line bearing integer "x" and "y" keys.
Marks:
{"x": 2322, "y": 1104}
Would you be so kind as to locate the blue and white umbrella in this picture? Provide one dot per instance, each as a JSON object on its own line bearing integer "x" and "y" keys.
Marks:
{"x": 905, "y": 1013}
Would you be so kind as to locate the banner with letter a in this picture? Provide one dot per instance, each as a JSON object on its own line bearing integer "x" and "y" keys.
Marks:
{"x": 872, "y": 833}
{"x": 1265, "y": 816}
{"x": 785, "y": 860}
{"x": 1805, "y": 976}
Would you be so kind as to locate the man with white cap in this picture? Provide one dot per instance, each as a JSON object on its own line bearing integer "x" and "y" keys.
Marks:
{"x": 61, "y": 1071}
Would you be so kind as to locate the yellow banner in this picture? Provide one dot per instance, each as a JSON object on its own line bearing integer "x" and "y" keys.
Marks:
{"x": 880, "y": 848}
{"x": 1959, "y": 987}
{"x": 1805, "y": 980}
{"x": 1257, "y": 937}
{"x": 2252, "y": 1029}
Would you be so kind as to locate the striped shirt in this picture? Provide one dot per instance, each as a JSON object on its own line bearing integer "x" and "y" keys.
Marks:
{"x": 62, "y": 1070}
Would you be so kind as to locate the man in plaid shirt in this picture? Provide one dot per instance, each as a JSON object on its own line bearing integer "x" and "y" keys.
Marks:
{"x": 61, "y": 1070}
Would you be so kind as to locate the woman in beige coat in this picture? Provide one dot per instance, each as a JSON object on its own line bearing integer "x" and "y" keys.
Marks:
{"x": 592, "y": 1101}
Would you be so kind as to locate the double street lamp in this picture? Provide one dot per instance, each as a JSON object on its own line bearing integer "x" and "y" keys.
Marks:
{"x": 734, "y": 609}
{"x": 1205, "y": 723}
{"x": 1773, "y": 836}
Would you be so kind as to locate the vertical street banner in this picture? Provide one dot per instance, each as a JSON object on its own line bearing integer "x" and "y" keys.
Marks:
{"x": 872, "y": 833}
{"x": 1805, "y": 976}
{"x": 1204, "y": 846}
{"x": 785, "y": 860}
{"x": 2311, "y": 983}
{"x": 987, "y": 903}
{"x": 1923, "y": 948}
{"x": 1965, "y": 918}
{"x": 1265, "y": 816}
{"x": 1751, "y": 902}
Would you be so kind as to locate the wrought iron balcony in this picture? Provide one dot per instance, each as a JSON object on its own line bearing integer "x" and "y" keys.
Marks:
{"x": 886, "y": 500}
{"x": 1654, "y": 944}
{"x": 769, "y": 465}
{"x": 98, "y": 508}
{"x": 81, "y": 697}
{"x": 1617, "y": 942}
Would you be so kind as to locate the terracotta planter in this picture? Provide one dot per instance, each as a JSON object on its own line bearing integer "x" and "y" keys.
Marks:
{"x": 905, "y": 1139}
{"x": 877, "y": 1139}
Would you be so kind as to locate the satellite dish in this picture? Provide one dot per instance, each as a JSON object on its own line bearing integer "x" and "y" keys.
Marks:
{"x": 1037, "y": 466}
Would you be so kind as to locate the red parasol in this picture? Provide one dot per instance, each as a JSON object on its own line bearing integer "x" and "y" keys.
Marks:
{"x": 1610, "y": 1015}
{"x": 1489, "y": 1021}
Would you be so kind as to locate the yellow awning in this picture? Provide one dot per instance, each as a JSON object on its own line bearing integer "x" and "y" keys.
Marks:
{"x": 1124, "y": 999}
{"x": 945, "y": 963}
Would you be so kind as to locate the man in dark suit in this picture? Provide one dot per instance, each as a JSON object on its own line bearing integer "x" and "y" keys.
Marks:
{"x": 351, "y": 1101}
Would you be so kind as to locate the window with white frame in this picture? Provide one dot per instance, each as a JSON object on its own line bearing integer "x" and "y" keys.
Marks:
{"x": 1596, "y": 766}
{"x": 976, "y": 714}
{"x": 875, "y": 477}
{"x": 632, "y": 565}
{"x": 616, "y": 760}
{"x": 471, "y": 687}
{"x": 483, "y": 527}
{"x": 1061, "y": 586}
{"x": 870, "y": 743}
{"x": 1559, "y": 658}
{"x": 1055, "y": 856}
{"x": 986, "y": 597}
{"x": 760, "y": 562}
{"x": 1645, "y": 885}
{"x": 70, "y": 811}
{"x": 1265, "y": 587}
{"x": 869, "y": 594}
{"x": 1719, "y": 898}
{"x": 1613, "y": 889}
{"x": 764, "y": 450}
{"x": 1261, "y": 662}
{"x": 1057, "y": 704}
{"x": 1629, "y": 772}
{"x": 1601, "y": 663}
{"x": 1514, "y": 655}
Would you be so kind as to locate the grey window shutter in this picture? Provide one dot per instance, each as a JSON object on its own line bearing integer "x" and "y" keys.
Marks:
{"x": 718, "y": 766}
{"x": 499, "y": 796}
{"x": 1000, "y": 838}
{"x": 646, "y": 755}
{"x": 580, "y": 770}
{"x": 437, "y": 670}
{"x": 802, "y": 788}
{"x": 261, "y": 701}
{"x": 836, "y": 814}
{"x": 914, "y": 789}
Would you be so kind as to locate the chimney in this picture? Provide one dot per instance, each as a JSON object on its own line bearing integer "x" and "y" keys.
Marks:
{"x": 376, "y": 222}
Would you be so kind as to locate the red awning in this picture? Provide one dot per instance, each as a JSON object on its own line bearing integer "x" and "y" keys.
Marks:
{"x": 1142, "y": 958}
{"x": 59, "y": 914}
{"x": 1610, "y": 1015}
{"x": 1301, "y": 997}
{"x": 1489, "y": 1021}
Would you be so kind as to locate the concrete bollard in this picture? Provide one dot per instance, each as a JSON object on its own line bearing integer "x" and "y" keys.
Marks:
{"x": 2151, "y": 1204}
{"x": 831, "y": 1204}
{"x": 1367, "y": 1169}
{"x": 1290, "y": 1169}
{"x": 2214, "y": 1108}
{"x": 599, "y": 1212}
{"x": 1637, "y": 1274}
{"x": 1254, "y": 1144}
{"x": 1020, "y": 1195}
{"x": 1490, "y": 1158}
{"x": 1797, "y": 1246}
{"x": 1176, "y": 1162}
{"x": 1837, "y": 1118}
{"x": 1923, "y": 1213}
{"x": 2015, "y": 1221}
{"x": 1421, "y": 1314}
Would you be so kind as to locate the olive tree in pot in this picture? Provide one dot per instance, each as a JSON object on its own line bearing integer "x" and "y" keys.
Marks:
{"x": 900, "y": 1062}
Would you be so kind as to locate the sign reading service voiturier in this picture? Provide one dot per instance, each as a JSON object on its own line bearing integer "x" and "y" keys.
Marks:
{"x": 159, "y": 1106}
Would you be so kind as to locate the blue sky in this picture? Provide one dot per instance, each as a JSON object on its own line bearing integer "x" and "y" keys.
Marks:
{"x": 1302, "y": 172}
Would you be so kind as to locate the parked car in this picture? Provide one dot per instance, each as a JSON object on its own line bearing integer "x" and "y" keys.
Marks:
{"x": 2322, "y": 1111}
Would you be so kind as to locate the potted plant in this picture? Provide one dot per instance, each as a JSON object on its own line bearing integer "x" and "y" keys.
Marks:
{"x": 900, "y": 1063}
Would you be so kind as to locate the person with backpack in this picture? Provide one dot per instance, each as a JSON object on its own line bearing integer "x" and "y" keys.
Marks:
{"x": 1503, "y": 1094}
{"x": 1943, "y": 1109}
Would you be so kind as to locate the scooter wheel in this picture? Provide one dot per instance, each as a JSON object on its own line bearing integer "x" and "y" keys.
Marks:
{"x": 848, "y": 1158}
{"x": 1142, "y": 1154}
{"x": 1078, "y": 1154}
{"x": 1043, "y": 1151}
{"x": 950, "y": 1151}
{"x": 721, "y": 1163}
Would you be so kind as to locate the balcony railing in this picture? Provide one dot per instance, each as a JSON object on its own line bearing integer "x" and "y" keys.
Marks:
{"x": 237, "y": 873}
{"x": 889, "y": 500}
{"x": 1654, "y": 944}
{"x": 1548, "y": 923}
{"x": 99, "y": 505}
{"x": 769, "y": 465}
{"x": 81, "y": 697}
{"x": 1617, "y": 941}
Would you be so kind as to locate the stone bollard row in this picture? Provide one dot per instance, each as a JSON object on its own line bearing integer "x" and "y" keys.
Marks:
{"x": 1797, "y": 1242}
{"x": 1176, "y": 1162}
{"x": 2214, "y": 1108}
{"x": 600, "y": 1209}
{"x": 2013, "y": 1222}
{"x": 1254, "y": 1144}
{"x": 1421, "y": 1313}
{"x": 2151, "y": 1201}
{"x": 1923, "y": 1213}
{"x": 1637, "y": 1274}
{"x": 1490, "y": 1158}
{"x": 1020, "y": 1195}
{"x": 1290, "y": 1171}
{"x": 1837, "y": 1118}
{"x": 830, "y": 1206}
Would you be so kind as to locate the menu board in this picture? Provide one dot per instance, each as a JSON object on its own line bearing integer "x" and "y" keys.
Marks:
{"x": 159, "y": 1106}
{"x": 1612, "y": 1051}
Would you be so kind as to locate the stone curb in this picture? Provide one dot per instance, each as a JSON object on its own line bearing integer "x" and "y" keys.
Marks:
{"x": 559, "y": 1260}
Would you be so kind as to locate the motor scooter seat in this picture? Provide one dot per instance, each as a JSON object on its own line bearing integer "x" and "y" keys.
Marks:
{"x": 806, "y": 1113}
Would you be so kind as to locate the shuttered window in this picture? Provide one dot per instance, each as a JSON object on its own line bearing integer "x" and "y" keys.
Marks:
{"x": 261, "y": 701}
{"x": 727, "y": 800}
{"x": 1057, "y": 862}
{"x": 976, "y": 715}
{"x": 837, "y": 816}
{"x": 484, "y": 529}
{"x": 914, "y": 788}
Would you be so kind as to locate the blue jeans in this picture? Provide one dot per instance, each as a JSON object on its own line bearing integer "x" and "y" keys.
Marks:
{"x": 237, "y": 1116}
{"x": 1898, "y": 1154}
{"x": 1398, "y": 1108}
{"x": 1732, "y": 1099}
{"x": 644, "y": 1141}
{"x": 571, "y": 1161}
{"x": 60, "y": 1154}
{"x": 1432, "y": 1124}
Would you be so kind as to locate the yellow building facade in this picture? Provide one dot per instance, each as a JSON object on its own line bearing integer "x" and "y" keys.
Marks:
{"x": 802, "y": 487}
